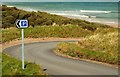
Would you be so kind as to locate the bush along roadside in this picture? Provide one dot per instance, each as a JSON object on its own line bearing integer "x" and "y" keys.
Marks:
{"x": 101, "y": 46}
{"x": 74, "y": 50}
{"x": 67, "y": 31}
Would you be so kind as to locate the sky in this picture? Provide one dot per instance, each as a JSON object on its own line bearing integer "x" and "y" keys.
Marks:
{"x": 60, "y": 0}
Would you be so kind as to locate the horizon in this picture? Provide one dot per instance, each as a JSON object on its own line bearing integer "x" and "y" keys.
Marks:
{"x": 60, "y": 1}
{"x": 55, "y": 2}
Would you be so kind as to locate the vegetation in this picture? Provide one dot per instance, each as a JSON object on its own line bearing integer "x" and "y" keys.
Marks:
{"x": 105, "y": 40}
{"x": 99, "y": 41}
{"x": 102, "y": 46}
{"x": 45, "y": 31}
{"x": 11, "y": 14}
{"x": 10, "y": 34}
{"x": 12, "y": 67}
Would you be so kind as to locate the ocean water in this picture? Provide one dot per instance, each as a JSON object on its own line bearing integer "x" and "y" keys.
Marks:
{"x": 100, "y": 12}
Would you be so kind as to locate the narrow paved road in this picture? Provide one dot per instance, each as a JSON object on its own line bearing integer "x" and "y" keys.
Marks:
{"x": 42, "y": 54}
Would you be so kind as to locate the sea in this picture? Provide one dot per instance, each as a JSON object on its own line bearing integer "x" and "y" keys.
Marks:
{"x": 99, "y": 12}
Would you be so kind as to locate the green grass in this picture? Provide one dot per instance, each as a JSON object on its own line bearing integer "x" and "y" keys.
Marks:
{"x": 101, "y": 46}
{"x": 67, "y": 31}
{"x": 74, "y": 50}
{"x": 104, "y": 40}
{"x": 12, "y": 67}
{"x": 0, "y": 64}
{"x": 10, "y": 34}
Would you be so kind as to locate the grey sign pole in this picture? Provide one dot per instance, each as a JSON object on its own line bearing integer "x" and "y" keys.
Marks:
{"x": 22, "y": 48}
{"x": 22, "y": 24}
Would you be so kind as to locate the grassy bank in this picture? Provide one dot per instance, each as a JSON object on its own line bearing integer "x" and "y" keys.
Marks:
{"x": 102, "y": 46}
{"x": 65, "y": 31}
{"x": 36, "y": 32}
{"x": 12, "y": 67}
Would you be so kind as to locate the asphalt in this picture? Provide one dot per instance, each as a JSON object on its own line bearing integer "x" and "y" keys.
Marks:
{"x": 42, "y": 54}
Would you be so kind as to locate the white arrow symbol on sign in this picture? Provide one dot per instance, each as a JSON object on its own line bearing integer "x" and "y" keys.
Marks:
{"x": 17, "y": 23}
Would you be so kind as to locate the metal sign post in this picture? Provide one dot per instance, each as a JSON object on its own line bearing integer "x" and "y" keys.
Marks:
{"x": 22, "y": 24}
{"x": 22, "y": 48}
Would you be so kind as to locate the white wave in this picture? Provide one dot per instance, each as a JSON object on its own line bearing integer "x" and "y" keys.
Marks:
{"x": 23, "y": 8}
{"x": 92, "y": 16}
{"x": 94, "y": 11}
{"x": 10, "y": 6}
{"x": 27, "y": 9}
{"x": 59, "y": 13}
{"x": 81, "y": 16}
{"x": 72, "y": 15}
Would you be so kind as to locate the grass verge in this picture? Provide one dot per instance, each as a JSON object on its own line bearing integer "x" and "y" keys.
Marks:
{"x": 12, "y": 67}
{"x": 67, "y": 31}
{"x": 102, "y": 47}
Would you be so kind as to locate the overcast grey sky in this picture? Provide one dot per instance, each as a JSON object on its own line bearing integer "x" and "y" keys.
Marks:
{"x": 60, "y": 0}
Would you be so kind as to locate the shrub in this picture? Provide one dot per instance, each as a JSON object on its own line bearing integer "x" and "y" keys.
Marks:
{"x": 74, "y": 50}
{"x": 43, "y": 18}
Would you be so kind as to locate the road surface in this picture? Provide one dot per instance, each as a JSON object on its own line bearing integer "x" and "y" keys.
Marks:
{"x": 42, "y": 54}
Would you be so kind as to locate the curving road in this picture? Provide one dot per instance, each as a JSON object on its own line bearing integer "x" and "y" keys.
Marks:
{"x": 42, "y": 54}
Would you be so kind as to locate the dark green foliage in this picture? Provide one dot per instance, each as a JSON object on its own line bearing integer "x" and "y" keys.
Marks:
{"x": 10, "y": 14}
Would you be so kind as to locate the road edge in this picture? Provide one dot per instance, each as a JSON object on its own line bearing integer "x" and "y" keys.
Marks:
{"x": 33, "y": 40}
{"x": 86, "y": 60}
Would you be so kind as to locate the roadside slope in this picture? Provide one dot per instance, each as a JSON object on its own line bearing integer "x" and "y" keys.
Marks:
{"x": 41, "y": 53}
